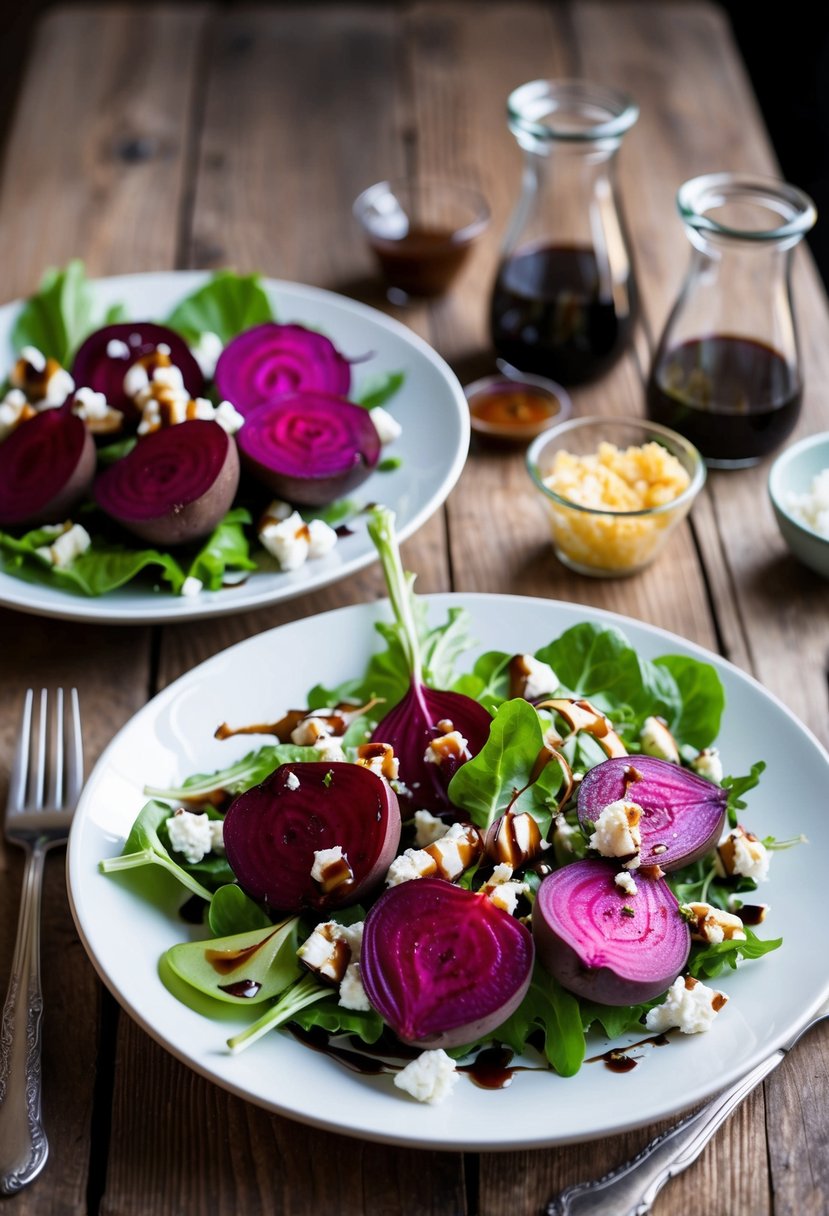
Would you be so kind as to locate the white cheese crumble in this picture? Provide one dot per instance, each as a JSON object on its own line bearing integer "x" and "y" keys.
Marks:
{"x": 34, "y": 357}
{"x": 710, "y": 924}
{"x": 116, "y": 349}
{"x": 136, "y": 380}
{"x": 71, "y": 543}
{"x": 388, "y": 428}
{"x": 540, "y": 678}
{"x": 89, "y": 404}
{"x": 288, "y": 541}
{"x": 626, "y": 883}
{"x": 503, "y": 890}
{"x": 414, "y": 863}
{"x": 429, "y": 1078}
{"x": 292, "y": 782}
{"x": 743, "y": 854}
{"x": 228, "y": 417}
{"x": 709, "y": 765}
{"x": 656, "y": 740}
{"x": 352, "y": 992}
{"x": 564, "y": 833}
{"x": 14, "y": 409}
{"x": 57, "y": 388}
{"x": 321, "y": 538}
{"x": 812, "y": 508}
{"x": 206, "y": 353}
{"x": 689, "y": 1006}
{"x": 617, "y": 832}
{"x": 451, "y": 743}
{"x": 323, "y": 858}
{"x": 309, "y": 730}
{"x": 217, "y": 834}
{"x": 428, "y": 828}
{"x": 191, "y": 586}
{"x": 330, "y": 749}
{"x": 190, "y": 835}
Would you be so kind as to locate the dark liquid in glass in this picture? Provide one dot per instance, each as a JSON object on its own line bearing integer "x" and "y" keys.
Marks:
{"x": 735, "y": 399}
{"x": 552, "y": 315}
{"x": 423, "y": 262}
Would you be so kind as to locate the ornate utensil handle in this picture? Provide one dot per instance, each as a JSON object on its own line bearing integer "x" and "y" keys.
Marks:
{"x": 631, "y": 1189}
{"x": 23, "y": 1144}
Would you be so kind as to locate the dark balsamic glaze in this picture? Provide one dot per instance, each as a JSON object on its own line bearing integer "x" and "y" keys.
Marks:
{"x": 226, "y": 961}
{"x": 618, "y": 1060}
{"x": 752, "y": 914}
{"x": 243, "y": 988}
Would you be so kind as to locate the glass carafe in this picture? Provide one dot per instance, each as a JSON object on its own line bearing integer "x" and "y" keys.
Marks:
{"x": 726, "y": 373}
{"x": 564, "y": 300}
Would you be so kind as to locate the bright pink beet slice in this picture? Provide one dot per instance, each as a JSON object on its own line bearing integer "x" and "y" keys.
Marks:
{"x": 273, "y": 360}
{"x": 175, "y": 485}
{"x": 309, "y": 447}
{"x": 596, "y": 949}
{"x": 96, "y": 369}
{"x": 441, "y": 965}
{"x": 273, "y": 831}
{"x": 683, "y": 813}
{"x": 46, "y": 467}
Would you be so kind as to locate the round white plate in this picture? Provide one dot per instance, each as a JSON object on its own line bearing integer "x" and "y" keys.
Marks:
{"x": 430, "y": 406}
{"x": 125, "y": 933}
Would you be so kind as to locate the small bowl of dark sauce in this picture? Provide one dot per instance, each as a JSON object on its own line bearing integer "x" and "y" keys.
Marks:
{"x": 421, "y": 231}
{"x": 514, "y": 409}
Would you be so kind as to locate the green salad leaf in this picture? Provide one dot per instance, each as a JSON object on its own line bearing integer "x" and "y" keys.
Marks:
{"x": 328, "y": 1015}
{"x": 239, "y": 776}
{"x": 379, "y": 389}
{"x": 226, "y": 549}
{"x": 144, "y": 847}
{"x": 231, "y": 911}
{"x": 550, "y": 1012}
{"x": 226, "y": 305}
{"x": 262, "y": 961}
{"x": 104, "y": 567}
{"x": 485, "y": 785}
{"x": 708, "y": 961}
{"x": 60, "y": 314}
{"x": 738, "y": 786}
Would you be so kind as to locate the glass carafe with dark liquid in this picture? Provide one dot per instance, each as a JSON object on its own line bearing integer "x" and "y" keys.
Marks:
{"x": 564, "y": 300}
{"x": 726, "y": 373}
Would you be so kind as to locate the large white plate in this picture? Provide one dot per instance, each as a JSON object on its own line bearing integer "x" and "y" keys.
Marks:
{"x": 430, "y": 407}
{"x": 257, "y": 679}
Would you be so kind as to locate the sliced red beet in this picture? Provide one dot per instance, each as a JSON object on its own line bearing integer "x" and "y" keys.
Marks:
{"x": 273, "y": 832}
{"x": 46, "y": 466}
{"x": 442, "y": 965}
{"x": 175, "y": 485}
{"x": 309, "y": 447}
{"x": 603, "y": 943}
{"x": 273, "y": 360}
{"x": 683, "y": 813}
{"x": 96, "y": 369}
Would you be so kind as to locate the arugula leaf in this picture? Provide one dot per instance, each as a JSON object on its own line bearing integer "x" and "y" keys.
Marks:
{"x": 708, "y": 961}
{"x": 231, "y": 911}
{"x": 379, "y": 389}
{"x": 58, "y": 317}
{"x": 333, "y": 513}
{"x": 389, "y": 464}
{"x": 115, "y": 451}
{"x": 488, "y": 679}
{"x": 334, "y": 1018}
{"x": 547, "y": 1008}
{"x": 484, "y": 785}
{"x": 144, "y": 847}
{"x": 737, "y": 786}
{"x": 237, "y": 777}
{"x": 104, "y": 567}
{"x": 702, "y": 699}
{"x": 226, "y": 548}
{"x": 616, "y": 1020}
{"x": 594, "y": 661}
{"x": 226, "y": 305}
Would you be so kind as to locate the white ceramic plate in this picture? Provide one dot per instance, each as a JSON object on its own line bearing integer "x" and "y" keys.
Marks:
{"x": 256, "y": 680}
{"x": 430, "y": 407}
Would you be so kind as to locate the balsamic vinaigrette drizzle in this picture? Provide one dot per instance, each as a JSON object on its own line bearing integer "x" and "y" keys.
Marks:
{"x": 617, "y": 1058}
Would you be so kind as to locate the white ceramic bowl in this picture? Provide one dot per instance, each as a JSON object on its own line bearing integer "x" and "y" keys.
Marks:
{"x": 793, "y": 473}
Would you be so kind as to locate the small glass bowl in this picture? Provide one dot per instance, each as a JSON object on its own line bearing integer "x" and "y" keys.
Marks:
{"x": 793, "y": 474}
{"x": 599, "y": 540}
{"x": 420, "y": 230}
{"x": 513, "y": 409}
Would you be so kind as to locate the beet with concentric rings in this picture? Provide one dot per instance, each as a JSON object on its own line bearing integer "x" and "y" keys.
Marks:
{"x": 94, "y": 368}
{"x": 309, "y": 447}
{"x": 175, "y": 485}
{"x": 603, "y": 943}
{"x": 443, "y": 966}
{"x": 273, "y": 831}
{"x": 273, "y": 360}
{"x": 683, "y": 814}
{"x": 46, "y": 467}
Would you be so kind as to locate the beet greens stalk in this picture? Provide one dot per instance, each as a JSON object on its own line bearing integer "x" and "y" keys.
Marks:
{"x": 432, "y": 732}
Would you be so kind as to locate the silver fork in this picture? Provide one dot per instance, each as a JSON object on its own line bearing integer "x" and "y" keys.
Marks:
{"x": 45, "y": 785}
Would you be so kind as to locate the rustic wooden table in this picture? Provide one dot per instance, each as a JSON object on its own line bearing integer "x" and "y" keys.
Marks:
{"x": 167, "y": 137}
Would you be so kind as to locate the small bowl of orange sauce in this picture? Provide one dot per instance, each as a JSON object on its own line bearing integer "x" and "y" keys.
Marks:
{"x": 515, "y": 409}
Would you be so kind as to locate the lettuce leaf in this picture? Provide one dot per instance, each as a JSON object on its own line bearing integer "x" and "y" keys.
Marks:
{"x": 252, "y": 769}
{"x": 60, "y": 314}
{"x": 226, "y": 305}
{"x": 555, "y": 1014}
{"x": 226, "y": 549}
{"x": 104, "y": 567}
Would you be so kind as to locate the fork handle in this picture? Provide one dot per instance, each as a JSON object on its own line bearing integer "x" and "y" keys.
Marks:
{"x": 23, "y": 1144}
{"x": 631, "y": 1189}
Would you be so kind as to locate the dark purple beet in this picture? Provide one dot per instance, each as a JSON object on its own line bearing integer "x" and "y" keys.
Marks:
{"x": 442, "y": 965}
{"x": 683, "y": 814}
{"x": 272, "y": 832}
{"x": 175, "y": 485}
{"x": 94, "y": 368}
{"x": 596, "y": 949}
{"x": 309, "y": 447}
{"x": 46, "y": 467}
{"x": 272, "y": 360}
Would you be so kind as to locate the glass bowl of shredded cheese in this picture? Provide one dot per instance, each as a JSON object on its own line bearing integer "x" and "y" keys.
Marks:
{"x": 613, "y": 489}
{"x": 799, "y": 492}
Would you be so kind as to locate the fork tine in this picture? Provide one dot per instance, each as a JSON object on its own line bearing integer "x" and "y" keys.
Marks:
{"x": 20, "y": 765}
{"x": 56, "y": 730}
{"x": 74, "y": 751}
{"x": 37, "y": 795}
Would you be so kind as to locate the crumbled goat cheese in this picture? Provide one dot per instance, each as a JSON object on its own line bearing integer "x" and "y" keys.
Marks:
{"x": 191, "y": 586}
{"x": 309, "y": 730}
{"x": 429, "y": 1078}
{"x": 414, "y": 863}
{"x": 742, "y": 853}
{"x": 709, "y": 924}
{"x": 206, "y": 353}
{"x": 292, "y": 782}
{"x": 502, "y": 889}
{"x": 563, "y": 833}
{"x": 388, "y": 428}
{"x": 35, "y": 358}
{"x": 287, "y": 541}
{"x": 451, "y": 743}
{"x": 428, "y": 828}
{"x": 135, "y": 380}
{"x": 57, "y": 388}
{"x": 217, "y": 835}
{"x": 190, "y": 835}
{"x": 626, "y": 883}
{"x": 116, "y": 349}
{"x": 71, "y": 543}
{"x": 540, "y": 678}
{"x": 709, "y": 765}
{"x": 228, "y": 417}
{"x": 656, "y": 740}
{"x": 323, "y": 858}
{"x": 321, "y": 538}
{"x": 689, "y": 1006}
{"x": 14, "y": 409}
{"x": 812, "y": 508}
{"x": 330, "y": 749}
{"x": 617, "y": 832}
{"x": 352, "y": 992}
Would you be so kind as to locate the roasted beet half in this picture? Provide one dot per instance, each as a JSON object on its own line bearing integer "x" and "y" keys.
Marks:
{"x": 603, "y": 943}
{"x": 175, "y": 485}
{"x": 272, "y": 360}
{"x": 442, "y": 965}
{"x": 95, "y": 368}
{"x": 310, "y": 447}
{"x": 46, "y": 467}
{"x": 683, "y": 814}
{"x": 274, "y": 832}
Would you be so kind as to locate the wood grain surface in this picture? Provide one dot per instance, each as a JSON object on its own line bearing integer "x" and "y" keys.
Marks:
{"x": 205, "y": 136}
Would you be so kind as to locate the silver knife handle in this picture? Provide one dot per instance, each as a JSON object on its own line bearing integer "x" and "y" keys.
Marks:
{"x": 23, "y": 1144}
{"x": 631, "y": 1189}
